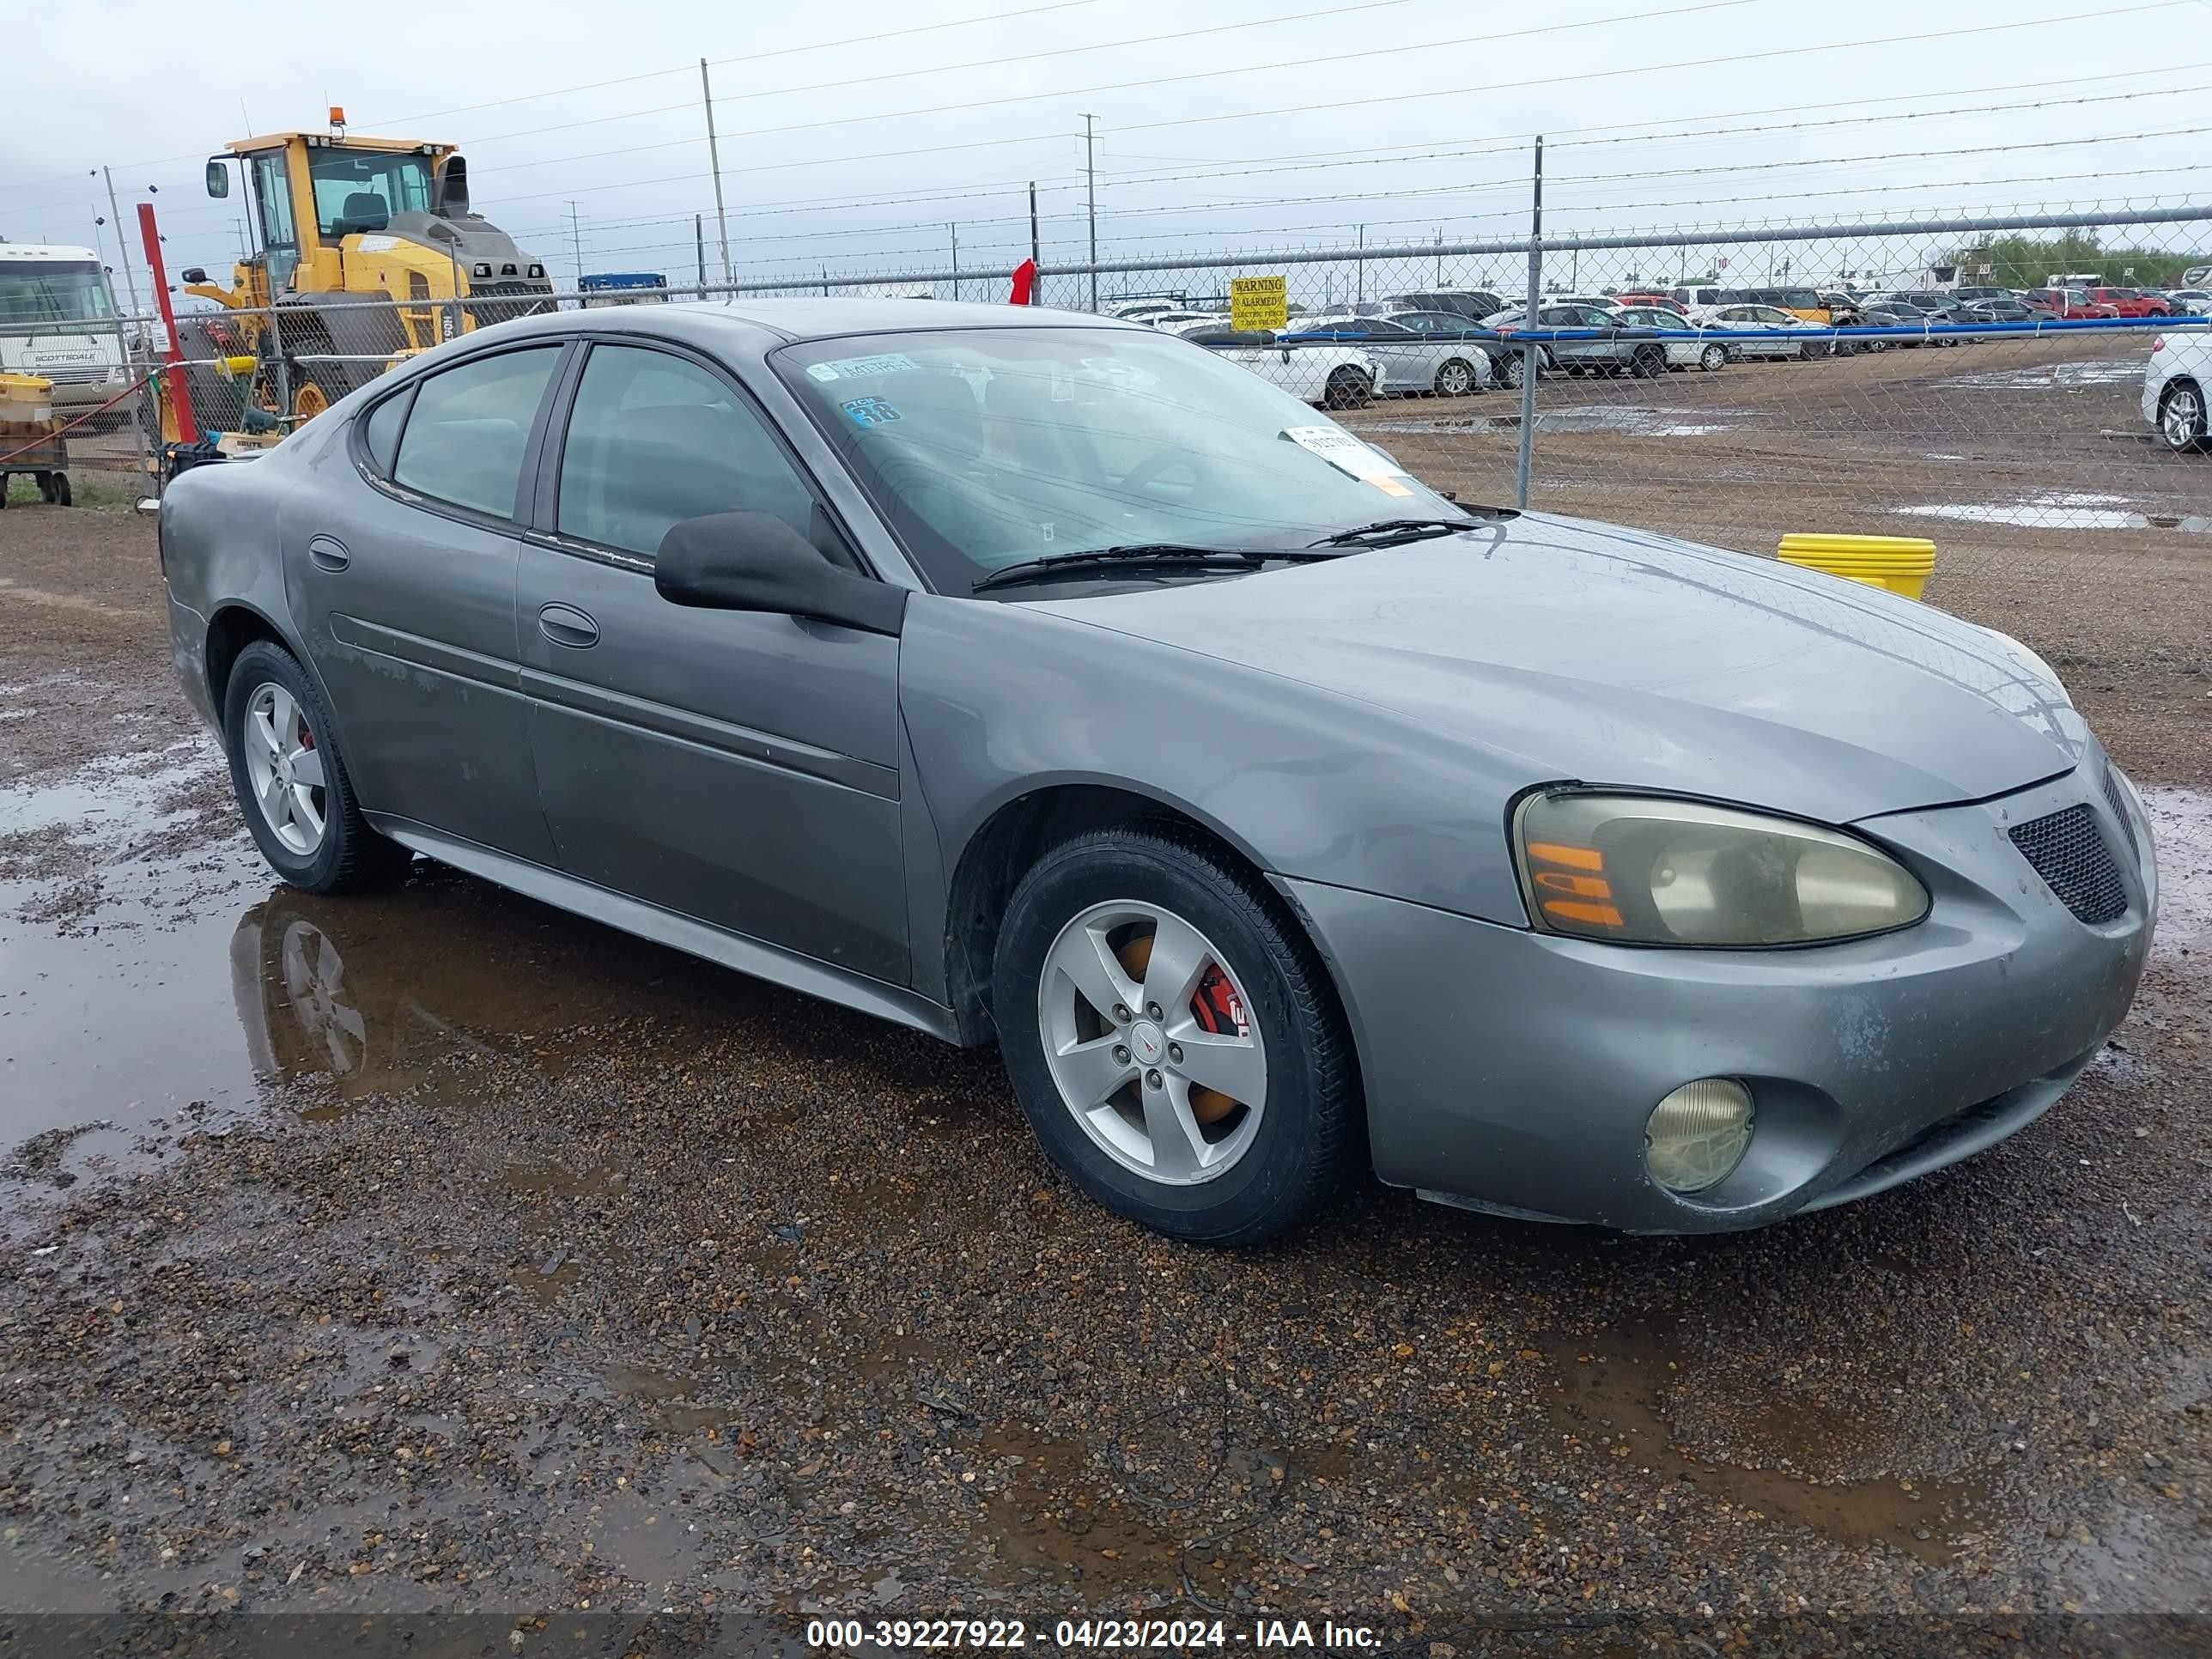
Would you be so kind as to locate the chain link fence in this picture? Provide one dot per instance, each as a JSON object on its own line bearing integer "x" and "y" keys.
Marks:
{"x": 1980, "y": 381}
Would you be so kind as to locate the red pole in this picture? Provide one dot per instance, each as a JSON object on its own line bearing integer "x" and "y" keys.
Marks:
{"x": 180, "y": 397}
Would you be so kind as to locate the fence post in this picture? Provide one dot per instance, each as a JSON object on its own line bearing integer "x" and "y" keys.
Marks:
{"x": 143, "y": 399}
{"x": 1533, "y": 353}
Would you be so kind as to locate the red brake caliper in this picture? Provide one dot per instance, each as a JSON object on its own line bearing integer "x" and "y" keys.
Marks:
{"x": 1218, "y": 1013}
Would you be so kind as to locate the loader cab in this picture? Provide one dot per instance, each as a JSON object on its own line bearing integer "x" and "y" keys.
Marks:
{"x": 312, "y": 190}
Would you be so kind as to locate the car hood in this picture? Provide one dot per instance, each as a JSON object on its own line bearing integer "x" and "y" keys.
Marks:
{"x": 1571, "y": 650}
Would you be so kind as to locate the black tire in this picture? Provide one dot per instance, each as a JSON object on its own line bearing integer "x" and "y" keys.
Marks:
{"x": 350, "y": 855}
{"x": 1348, "y": 388}
{"x": 1813, "y": 350}
{"x": 1712, "y": 358}
{"x": 1650, "y": 363}
{"x": 54, "y": 488}
{"x": 1310, "y": 1130}
{"x": 2181, "y": 422}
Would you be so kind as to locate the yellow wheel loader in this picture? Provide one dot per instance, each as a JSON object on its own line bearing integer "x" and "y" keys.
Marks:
{"x": 367, "y": 250}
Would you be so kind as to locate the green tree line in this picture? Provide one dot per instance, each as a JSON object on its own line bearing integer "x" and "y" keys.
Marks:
{"x": 2030, "y": 262}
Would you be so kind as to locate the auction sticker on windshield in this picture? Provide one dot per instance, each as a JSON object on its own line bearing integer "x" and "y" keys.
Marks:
{"x": 862, "y": 368}
{"x": 1347, "y": 454}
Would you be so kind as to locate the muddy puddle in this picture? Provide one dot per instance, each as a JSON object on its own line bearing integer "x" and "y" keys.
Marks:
{"x": 2061, "y": 510}
{"x": 1613, "y": 1398}
{"x": 2049, "y": 377}
{"x": 1620, "y": 420}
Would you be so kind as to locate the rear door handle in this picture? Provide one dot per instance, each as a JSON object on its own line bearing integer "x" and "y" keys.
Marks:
{"x": 328, "y": 553}
{"x": 564, "y": 624}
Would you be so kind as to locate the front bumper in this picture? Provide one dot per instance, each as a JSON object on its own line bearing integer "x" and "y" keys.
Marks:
{"x": 1513, "y": 1071}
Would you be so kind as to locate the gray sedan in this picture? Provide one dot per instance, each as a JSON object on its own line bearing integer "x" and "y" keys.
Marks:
{"x": 1045, "y": 681}
{"x": 1413, "y": 363}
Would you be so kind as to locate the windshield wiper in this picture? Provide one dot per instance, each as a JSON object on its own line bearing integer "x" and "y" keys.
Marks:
{"x": 1141, "y": 555}
{"x": 1389, "y": 532}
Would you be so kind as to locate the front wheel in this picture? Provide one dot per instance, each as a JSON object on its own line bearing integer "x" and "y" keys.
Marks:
{"x": 1348, "y": 388}
{"x": 291, "y": 780}
{"x": 1650, "y": 362}
{"x": 1454, "y": 378}
{"x": 1173, "y": 1039}
{"x": 2181, "y": 418}
{"x": 1814, "y": 350}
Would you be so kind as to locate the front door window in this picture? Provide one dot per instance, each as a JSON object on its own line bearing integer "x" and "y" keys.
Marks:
{"x": 273, "y": 190}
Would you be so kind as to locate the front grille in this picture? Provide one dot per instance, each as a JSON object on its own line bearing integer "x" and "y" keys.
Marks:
{"x": 2072, "y": 855}
{"x": 61, "y": 375}
{"x": 2118, "y": 799}
{"x": 507, "y": 300}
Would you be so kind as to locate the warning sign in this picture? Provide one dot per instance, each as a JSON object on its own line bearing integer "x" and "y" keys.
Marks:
{"x": 1259, "y": 301}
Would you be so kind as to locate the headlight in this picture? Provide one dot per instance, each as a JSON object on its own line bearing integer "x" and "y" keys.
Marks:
{"x": 1653, "y": 871}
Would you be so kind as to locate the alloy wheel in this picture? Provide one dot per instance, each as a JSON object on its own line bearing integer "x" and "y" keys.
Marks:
{"x": 285, "y": 769}
{"x": 2181, "y": 419}
{"x": 1149, "y": 1038}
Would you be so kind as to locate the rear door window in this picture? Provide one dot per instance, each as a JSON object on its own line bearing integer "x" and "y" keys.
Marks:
{"x": 469, "y": 426}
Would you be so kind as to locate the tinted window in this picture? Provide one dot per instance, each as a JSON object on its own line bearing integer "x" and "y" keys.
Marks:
{"x": 654, "y": 440}
{"x": 1384, "y": 331}
{"x": 381, "y": 431}
{"x": 469, "y": 425}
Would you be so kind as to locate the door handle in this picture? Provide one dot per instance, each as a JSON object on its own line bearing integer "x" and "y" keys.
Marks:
{"x": 328, "y": 553}
{"x": 564, "y": 624}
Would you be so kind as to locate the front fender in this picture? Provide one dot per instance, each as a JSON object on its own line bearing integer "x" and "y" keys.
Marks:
{"x": 1002, "y": 700}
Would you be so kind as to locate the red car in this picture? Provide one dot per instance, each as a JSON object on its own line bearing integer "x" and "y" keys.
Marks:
{"x": 2130, "y": 303}
{"x": 2072, "y": 303}
{"x": 1643, "y": 298}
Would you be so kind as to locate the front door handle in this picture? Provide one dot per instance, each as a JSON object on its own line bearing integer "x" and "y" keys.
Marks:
{"x": 328, "y": 553}
{"x": 564, "y": 624}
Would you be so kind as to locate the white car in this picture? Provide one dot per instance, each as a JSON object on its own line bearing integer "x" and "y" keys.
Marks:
{"x": 1414, "y": 362}
{"x": 1326, "y": 372}
{"x": 1706, "y": 355}
{"x": 1178, "y": 321}
{"x": 1772, "y": 321}
{"x": 2175, "y": 386}
{"x": 2194, "y": 301}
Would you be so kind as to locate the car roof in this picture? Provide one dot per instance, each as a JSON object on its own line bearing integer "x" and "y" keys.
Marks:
{"x": 798, "y": 320}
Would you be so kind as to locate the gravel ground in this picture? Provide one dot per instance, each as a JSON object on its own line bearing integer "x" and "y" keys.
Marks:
{"x": 398, "y": 1272}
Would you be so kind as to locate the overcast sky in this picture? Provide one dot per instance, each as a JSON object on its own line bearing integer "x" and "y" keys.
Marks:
{"x": 1222, "y": 124}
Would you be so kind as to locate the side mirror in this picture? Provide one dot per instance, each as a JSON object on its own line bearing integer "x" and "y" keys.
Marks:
{"x": 449, "y": 195}
{"x": 751, "y": 561}
{"x": 194, "y": 273}
{"x": 218, "y": 179}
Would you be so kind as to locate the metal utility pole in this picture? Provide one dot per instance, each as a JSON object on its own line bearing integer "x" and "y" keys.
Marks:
{"x": 1440, "y": 256}
{"x": 699, "y": 246}
{"x": 129, "y": 276}
{"x": 1359, "y": 270}
{"x": 576, "y": 241}
{"x": 714, "y": 160}
{"x": 1036, "y": 258}
{"x": 1532, "y": 354}
{"x": 1091, "y": 191}
{"x": 954, "y": 229}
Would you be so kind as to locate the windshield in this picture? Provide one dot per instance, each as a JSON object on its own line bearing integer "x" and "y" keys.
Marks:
{"x": 985, "y": 448}
{"x": 52, "y": 291}
{"x": 364, "y": 189}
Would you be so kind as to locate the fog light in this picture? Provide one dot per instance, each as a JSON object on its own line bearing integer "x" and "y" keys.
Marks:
{"x": 1698, "y": 1134}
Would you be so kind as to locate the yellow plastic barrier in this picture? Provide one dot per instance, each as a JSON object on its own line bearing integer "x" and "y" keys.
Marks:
{"x": 1899, "y": 563}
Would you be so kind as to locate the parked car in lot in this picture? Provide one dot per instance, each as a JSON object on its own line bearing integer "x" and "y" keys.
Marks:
{"x": 2131, "y": 301}
{"x": 2073, "y": 304}
{"x": 2192, "y": 301}
{"x": 1178, "y": 320}
{"x": 1472, "y": 303}
{"x": 1332, "y": 374}
{"x": 2005, "y": 310}
{"x": 1607, "y": 350}
{"x": 1044, "y": 681}
{"x": 1902, "y": 315}
{"x": 1776, "y": 332}
{"x": 1410, "y": 362}
{"x": 2176, "y": 384}
{"x": 1706, "y": 355}
{"x": 1645, "y": 298}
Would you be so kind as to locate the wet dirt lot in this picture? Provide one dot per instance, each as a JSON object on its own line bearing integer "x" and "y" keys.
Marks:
{"x": 435, "y": 1253}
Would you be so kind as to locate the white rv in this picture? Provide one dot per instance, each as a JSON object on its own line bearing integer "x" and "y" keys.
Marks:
{"x": 41, "y": 288}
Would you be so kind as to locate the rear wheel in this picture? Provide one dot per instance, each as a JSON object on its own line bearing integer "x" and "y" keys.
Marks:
{"x": 1348, "y": 388}
{"x": 2181, "y": 416}
{"x": 1650, "y": 362}
{"x": 1173, "y": 1040}
{"x": 1454, "y": 378}
{"x": 291, "y": 780}
{"x": 1711, "y": 358}
{"x": 1814, "y": 350}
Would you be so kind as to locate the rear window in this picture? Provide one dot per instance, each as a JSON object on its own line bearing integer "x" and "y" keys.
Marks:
{"x": 465, "y": 436}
